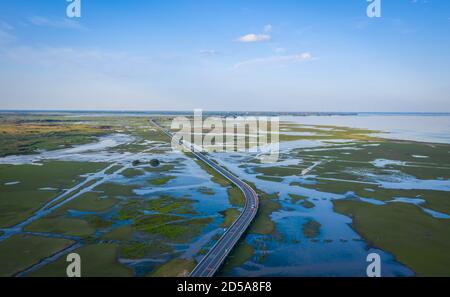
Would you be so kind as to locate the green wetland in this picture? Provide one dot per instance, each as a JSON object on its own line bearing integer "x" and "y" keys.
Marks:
{"x": 110, "y": 188}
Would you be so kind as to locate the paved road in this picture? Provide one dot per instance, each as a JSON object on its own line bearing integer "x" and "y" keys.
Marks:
{"x": 209, "y": 265}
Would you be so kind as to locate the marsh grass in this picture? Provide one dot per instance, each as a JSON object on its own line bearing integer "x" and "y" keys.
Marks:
{"x": 417, "y": 240}
{"x": 21, "y": 251}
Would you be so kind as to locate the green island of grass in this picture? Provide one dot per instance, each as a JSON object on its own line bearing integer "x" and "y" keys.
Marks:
{"x": 415, "y": 238}
{"x": 113, "y": 169}
{"x": 20, "y": 201}
{"x": 230, "y": 215}
{"x": 140, "y": 250}
{"x": 161, "y": 168}
{"x": 97, "y": 222}
{"x": 123, "y": 233}
{"x": 134, "y": 251}
{"x": 132, "y": 172}
{"x": 279, "y": 171}
{"x": 89, "y": 202}
{"x": 175, "y": 268}
{"x": 171, "y": 227}
{"x": 296, "y": 198}
{"x": 22, "y": 251}
{"x": 236, "y": 197}
{"x": 215, "y": 177}
{"x": 262, "y": 223}
{"x": 241, "y": 254}
{"x": 26, "y": 136}
{"x": 206, "y": 191}
{"x": 307, "y": 204}
{"x": 311, "y": 229}
{"x": 182, "y": 232}
{"x": 270, "y": 178}
{"x": 134, "y": 208}
{"x": 60, "y": 225}
{"x": 330, "y": 133}
{"x": 167, "y": 204}
{"x": 115, "y": 190}
{"x": 161, "y": 181}
{"x": 97, "y": 260}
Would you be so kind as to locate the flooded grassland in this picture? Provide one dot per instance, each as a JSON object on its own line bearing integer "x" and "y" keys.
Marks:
{"x": 125, "y": 202}
{"x": 112, "y": 189}
{"x": 338, "y": 194}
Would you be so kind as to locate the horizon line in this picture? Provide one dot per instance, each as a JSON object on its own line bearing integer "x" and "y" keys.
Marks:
{"x": 221, "y": 111}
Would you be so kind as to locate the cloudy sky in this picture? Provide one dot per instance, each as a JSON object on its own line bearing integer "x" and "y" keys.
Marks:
{"x": 258, "y": 55}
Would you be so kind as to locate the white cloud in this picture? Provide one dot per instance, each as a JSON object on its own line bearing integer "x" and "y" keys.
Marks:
{"x": 275, "y": 60}
{"x": 254, "y": 38}
{"x": 304, "y": 56}
{"x": 64, "y": 23}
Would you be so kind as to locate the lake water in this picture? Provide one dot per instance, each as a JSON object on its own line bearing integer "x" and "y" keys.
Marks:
{"x": 426, "y": 128}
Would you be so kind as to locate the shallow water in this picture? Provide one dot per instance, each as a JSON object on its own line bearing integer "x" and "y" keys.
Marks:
{"x": 426, "y": 128}
{"x": 95, "y": 152}
{"x": 413, "y": 201}
{"x": 337, "y": 251}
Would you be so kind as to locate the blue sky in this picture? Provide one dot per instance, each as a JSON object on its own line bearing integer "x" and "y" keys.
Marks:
{"x": 261, "y": 55}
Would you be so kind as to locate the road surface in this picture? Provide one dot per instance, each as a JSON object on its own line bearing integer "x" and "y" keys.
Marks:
{"x": 212, "y": 261}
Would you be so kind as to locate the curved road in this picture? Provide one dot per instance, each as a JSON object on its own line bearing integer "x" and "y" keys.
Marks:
{"x": 211, "y": 262}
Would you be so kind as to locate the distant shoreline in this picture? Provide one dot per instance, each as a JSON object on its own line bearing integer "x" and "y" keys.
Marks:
{"x": 224, "y": 113}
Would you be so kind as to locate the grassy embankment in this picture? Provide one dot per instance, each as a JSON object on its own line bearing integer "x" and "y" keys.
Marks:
{"x": 417, "y": 240}
{"x": 175, "y": 268}
{"x": 262, "y": 225}
{"x": 36, "y": 186}
{"x": 98, "y": 260}
{"x": 21, "y": 251}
